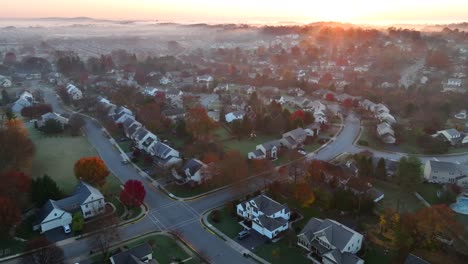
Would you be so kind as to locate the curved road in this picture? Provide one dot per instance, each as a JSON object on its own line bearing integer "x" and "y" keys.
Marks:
{"x": 184, "y": 217}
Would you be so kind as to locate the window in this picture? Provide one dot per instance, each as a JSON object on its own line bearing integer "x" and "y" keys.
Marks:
{"x": 86, "y": 206}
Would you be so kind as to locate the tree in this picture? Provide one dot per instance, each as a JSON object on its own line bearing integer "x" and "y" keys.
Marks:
{"x": 330, "y": 97}
{"x": 15, "y": 185}
{"x": 52, "y": 126}
{"x": 133, "y": 193}
{"x": 16, "y": 148}
{"x": 44, "y": 252}
{"x": 5, "y": 97}
{"x": 198, "y": 123}
{"x": 36, "y": 111}
{"x": 106, "y": 234}
{"x": 77, "y": 223}
{"x": 43, "y": 189}
{"x": 9, "y": 215}
{"x": 91, "y": 170}
{"x": 381, "y": 169}
{"x": 304, "y": 194}
{"x": 233, "y": 169}
{"x": 76, "y": 123}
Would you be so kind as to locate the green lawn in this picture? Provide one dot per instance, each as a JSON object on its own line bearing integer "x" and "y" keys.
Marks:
{"x": 247, "y": 145}
{"x": 227, "y": 224}
{"x": 429, "y": 192}
{"x": 165, "y": 248}
{"x": 119, "y": 207}
{"x": 408, "y": 201}
{"x": 281, "y": 252}
{"x": 126, "y": 146}
{"x": 312, "y": 147}
{"x": 221, "y": 133}
{"x": 56, "y": 156}
{"x": 457, "y": 150}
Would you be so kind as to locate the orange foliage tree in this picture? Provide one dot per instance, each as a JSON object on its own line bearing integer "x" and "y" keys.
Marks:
{"x": 9, "y": 214}
{"x": 304, "y": 194}
{"x": 198, "y": 123}
{"x": 16, "y": 149}
{"x": 91, "y": 170}
{"x": 15, "y": 185}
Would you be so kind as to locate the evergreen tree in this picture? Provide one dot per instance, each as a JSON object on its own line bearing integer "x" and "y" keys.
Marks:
{"x": 43, "y": 189}
{"x": 381, "y": 170}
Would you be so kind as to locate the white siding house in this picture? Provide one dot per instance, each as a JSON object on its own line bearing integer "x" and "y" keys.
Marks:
{"x": 74, "y": 92}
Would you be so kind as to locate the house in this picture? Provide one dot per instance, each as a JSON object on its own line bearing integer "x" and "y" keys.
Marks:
{"x": 205, "y": 80}
{"x": 278, "y": 99}
{"x": 5, "y": 82}
{"x": 120, "y": 118}
{"x": 150, "y": 92}
{"x": 367, "y": 105}
{"x": 137, "y": 255}
{"x": 453, "y": 85}
{"x": 164, "y": 81}
{"x": 193, "y": 170}
{"x": 413, "y": 259}
{"x": 462, "y": 115}
{"x": 106, "y": 105}
{"x": 451, "y": 135}
{"x": 329, "y": 241}
{"x": 85, "y": 199}
{"x": 26, "y": 99}
{"x": 268, "y": 150}
{"x": 74, "y": 92}
{"x": 313, "y": 129}
{"x": 236, "y": 115}
{"x": 295, "y": 138}
{"x": 164, "y": 155}
{"x": 268, "y": 217}
{"x": 386, "y": 133}
{"x": 122, "y": 109}
{"x": 380, "y": 109}
{"x": 144, "y": 139}
{"x": 62, "y": 120}
{"x": 443, "y": 172}
{"x": 130, "y": 127}
{"x": 386, "y": 117}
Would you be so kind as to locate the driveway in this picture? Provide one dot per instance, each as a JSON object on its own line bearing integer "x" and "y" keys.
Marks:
{"x": 252, "y": 241}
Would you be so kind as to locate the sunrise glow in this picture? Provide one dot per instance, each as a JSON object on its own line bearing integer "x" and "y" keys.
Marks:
{"x": 418, "y": 11}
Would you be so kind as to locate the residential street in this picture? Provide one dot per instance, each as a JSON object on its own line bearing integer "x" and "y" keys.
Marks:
{"x": 184, "y": 217}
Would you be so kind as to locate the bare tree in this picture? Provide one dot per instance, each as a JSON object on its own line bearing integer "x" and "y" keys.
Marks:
{"x": 107, "y": 233}
{"x": 44, "y": 252}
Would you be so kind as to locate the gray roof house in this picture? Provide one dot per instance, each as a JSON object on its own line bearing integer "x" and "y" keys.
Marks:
{"x": 193, "y": 170}
{"x": 451, "y": 135}
{"x": 85, "y": 199}
{"x": 62, "y": 120}
{"x": 268, "y": 150}
{"x": 268, "y": 217}
{"x": 130, "y": 130}
{"x": 137, "y": 255}
{"x": 164, "y": 155}
{"x": 329, "y": 241}
{"x": 295, "y": 138}
{"x": 386, "y": 133}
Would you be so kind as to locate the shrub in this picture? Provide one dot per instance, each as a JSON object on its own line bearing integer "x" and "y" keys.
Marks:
{"x": 216, "y": 216}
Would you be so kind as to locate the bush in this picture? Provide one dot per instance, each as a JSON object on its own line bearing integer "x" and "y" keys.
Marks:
{"x": 52, "y": 126}
{"x": 363, "y": 142}
{"x": 216, "y": 216}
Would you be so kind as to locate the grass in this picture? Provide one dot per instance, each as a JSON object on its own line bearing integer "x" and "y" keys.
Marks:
{"x": 429, "y": 192}
{"x": 408, "y": 201}
{"x": 312, "y": 147}
{"x": 126, "y": 146}
{"x": 119, "y": 207}
{"x": 134, "y": 212}
{"x": 228, "y": 224}
{"x": 282, "y": 252}
{"x": 165, "y": 248}
{"x": 377, "y": 256}
{"x": 457, "y": 150}
{"x": 222, "y": 133}
{"x": 245, "y": 146}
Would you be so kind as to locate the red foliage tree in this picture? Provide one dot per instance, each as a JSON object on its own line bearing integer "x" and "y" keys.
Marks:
{"x": 329, "y": 97}
{"x": 210, "y": 157}
{"x": 14, "y": 183}
{"x": 9, "y": 214}
{"x": 348, "y": 103}
{"x": 36, "y": 110}
{"x": 91, "y": 170}
{"x": 133, "y": 193}
{"x": 298, "y": 114}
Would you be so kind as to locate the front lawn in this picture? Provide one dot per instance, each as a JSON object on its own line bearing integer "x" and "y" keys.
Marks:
{"x": 228, "y": 224}
{"x": 186, "y": 191}
{"x": 312, "y": 147}
{"x": 56, "y": 156}
{"x": 281, "y": 252}
{"x": 126, "y": 146}
{"x": 165, "y": 249}
{"x": 244, "y": 146}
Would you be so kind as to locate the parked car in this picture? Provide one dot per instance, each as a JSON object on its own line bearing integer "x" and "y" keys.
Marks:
{"x": 302, "y": 152}
{"x": 243, "y": 234}
{"x": 124, "y": 158}
{"x": 66, "y": 229}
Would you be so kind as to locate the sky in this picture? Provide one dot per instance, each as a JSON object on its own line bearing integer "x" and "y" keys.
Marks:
{"x": 246, "y": 11}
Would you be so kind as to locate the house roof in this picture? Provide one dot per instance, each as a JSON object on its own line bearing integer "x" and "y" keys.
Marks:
{"x": 412, "y": 259}
{"x": 337, "y": 234}
{"x": 133, "y": 128}
{"x": 297, "y": 133}
{"x": 272, "y": 224}
{"x": 127, "y": 123}
{"x": 141, "y": 133}
{"x": 267, "y": 205}
{"x": 270, "y": 144}
{"x": 451, "y": 132}
{"x": 257, "y": 153}
{"x": 193, "y": 166}
{"x": 161, "y": 150}
{"x": 448, "y": 167}
{"x": 133, "y": 255}
{"x": 290, "y": 140}
{"x": 48, "y": 207}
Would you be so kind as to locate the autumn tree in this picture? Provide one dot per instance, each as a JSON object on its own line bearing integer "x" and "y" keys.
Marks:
{"x": 133, "y": 193}
{"x": 150, "y": 115}
{"x": 9, "y": 214}
{"x": 76, "y": 123}
{"x": 44, "y": 188}
{"x": 198, "y": 123}
{"x": 36, "y": 111}
{"x": 91, "y": 170}
{"x": 52, "y": 126}
{"x": 233, "y": 169}
{"x": 77, "y": 222}
{"x": 16, "y": 149}
{"x": 107, "y": 232}
{"x": 15, "y": 185}
{"x": 381, "y": 170}
{"x": 409, "y": 173}
{"x": 264, "y": 169}
{"x": 304, "y": 194}
{"x": 44, "y": 252}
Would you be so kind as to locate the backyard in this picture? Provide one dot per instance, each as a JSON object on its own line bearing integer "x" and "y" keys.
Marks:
{"x": 247, "y": 145}
{"x": 408, "y": 201}
{"x": 56, "y": 156}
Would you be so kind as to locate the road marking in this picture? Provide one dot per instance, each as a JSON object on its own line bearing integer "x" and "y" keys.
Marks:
{"x": 156, "y": 221}
{"x": 183, "y": 223}
{"x": 190, "y": 209}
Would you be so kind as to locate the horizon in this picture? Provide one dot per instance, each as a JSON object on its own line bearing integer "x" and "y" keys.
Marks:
{"x": 431, "y": 12}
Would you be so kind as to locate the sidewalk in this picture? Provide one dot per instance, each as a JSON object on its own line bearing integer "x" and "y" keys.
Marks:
{"x": 230, "y": 242}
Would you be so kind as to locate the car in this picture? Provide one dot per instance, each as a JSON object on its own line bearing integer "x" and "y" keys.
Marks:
{"x": 243, "y": 234}
{"x": 302, "y": 152}
{"x": 66, "y": 229}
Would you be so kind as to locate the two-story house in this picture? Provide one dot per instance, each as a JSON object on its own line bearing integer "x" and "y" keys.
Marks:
{"x": 268, "y": 150}
{"x": 136, "y": 255}
{"x": 144, "y": 139}
{"x": 268, "y": 217}
{"x": 295, "y": 138}
{"x": 26, "y": 99}
{"x": 386, "y": 133}
{"x": 85, "y": 199}
{"x": 330, "y": 242}
{"x": 451, "y": 135}
{"x": 164, "y": 155}
{"x": 74, "y": 92}
{"x": 446, "y": 173}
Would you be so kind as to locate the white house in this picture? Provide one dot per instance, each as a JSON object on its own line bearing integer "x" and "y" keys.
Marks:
{"x": 386, "y": 133}
{"x": 462, "y": 115}
{"x": 85, "y": 199}
{"x": 144, "y": 139}
{"x": 268, "y": 150}
{"x": 330, "y": 242}
{"x": 205, "y": 80}
{"x": 268, "y": 217}
{"x": 451, "y": 135}
{"x": 193, "y": 170}
{"x": 5, "y": 82}
{"x": 74, "y": 92}
{"x": 164, "y": 155}
{"x": 165, "y": 81}
{"x": 25, "y": 99}
{"x": 453, "y": 85}
{"x": 236, "y": 115}
{"x": 446, "y": 173}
